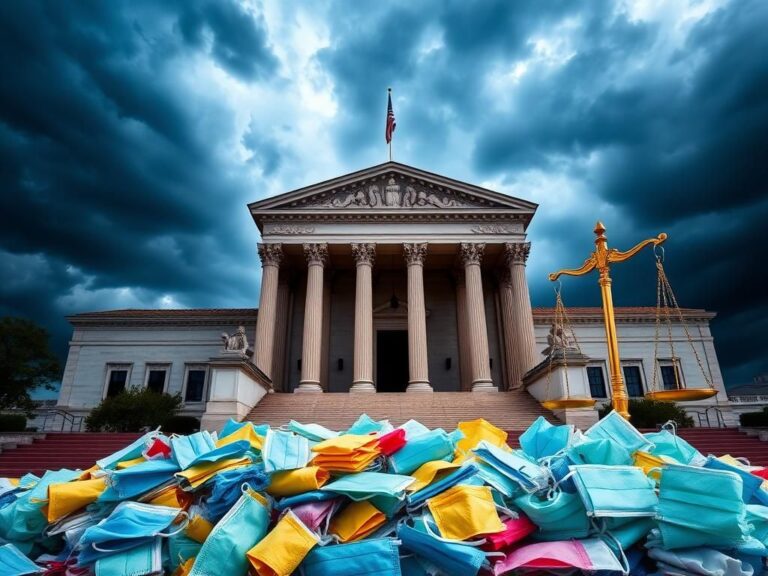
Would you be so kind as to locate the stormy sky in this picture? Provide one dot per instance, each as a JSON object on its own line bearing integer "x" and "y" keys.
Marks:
{"x": 133, "y": 133}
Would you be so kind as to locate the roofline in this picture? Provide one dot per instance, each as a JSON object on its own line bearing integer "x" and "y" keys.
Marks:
{"x": 173, "y": 317}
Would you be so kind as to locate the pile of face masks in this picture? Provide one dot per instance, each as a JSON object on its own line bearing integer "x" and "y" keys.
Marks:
{"x": 389, "y": 501}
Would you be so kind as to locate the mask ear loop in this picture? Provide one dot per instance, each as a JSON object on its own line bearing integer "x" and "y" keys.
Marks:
{"x": 506, "y": 512}
{"x": 449, "y": 540}
{"x": 622, "y": 558}
{"x": 556, "y": 486}
{"x": 183, "y": 526}
{"x": 743, "y": 460}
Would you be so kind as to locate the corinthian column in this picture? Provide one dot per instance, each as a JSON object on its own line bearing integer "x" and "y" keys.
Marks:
{"x": 471, "y": 255}
{"x": 271, "y": 256}
{"x": 418, "y": 371}
{"x": 520, "y": 315}
{"x": 514, "y": 373}
{"x": 317, "y": 256}
{"x": 465, "y": 370}
{"x": 362, "y": 377}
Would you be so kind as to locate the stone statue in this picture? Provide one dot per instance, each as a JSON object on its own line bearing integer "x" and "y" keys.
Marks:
{"x": 392, "y": 194}
{"x": 237, "y": 342}
{"x": 560, "y": 338}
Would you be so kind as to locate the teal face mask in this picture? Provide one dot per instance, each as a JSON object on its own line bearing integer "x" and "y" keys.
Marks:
{"x": 285, "y": 451}
{"x": 451, "y": 558}
{"x": 561, "y": 516}
{"x": 496, "y": 480}
{"x": 757, "y": 516}
{"x": 700, "y": 507}
{"x": 187, "y": 448}
{"x": 544, "y": 439}
{"x": 530, "y": 476}
{"x": 614, "y": 427}
{"x": 233, "y": 426}
{"x": 224, "y": 551}
{"x": 602, "y": 451}
{"x": 668, "y": 444}
{"x": 145, "y": 559}
{"x": 14, "y": 563}
{"x": 434, "y": 445}
{"x": 367, "y": 484}
{"x": 180, "y": 549}
{"x": 378, "y": 556}
{"x": 313, "y": 432}
{"x": 366, "y": 425}
{"x": 618, "y": 491}
{"x": 629, "y": 531}
{"x": 750, "y": 483}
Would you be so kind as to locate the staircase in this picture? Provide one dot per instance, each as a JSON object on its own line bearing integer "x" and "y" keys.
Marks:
{"x": 719, "y": 441}
{"x": 61, "y": 450}
{"x": 507, "y": 410}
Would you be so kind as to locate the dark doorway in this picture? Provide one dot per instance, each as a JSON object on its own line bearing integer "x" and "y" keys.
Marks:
{"x": 391, "y": 360}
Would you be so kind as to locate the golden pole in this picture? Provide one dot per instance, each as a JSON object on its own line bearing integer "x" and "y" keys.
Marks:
{"x": 601, "y": 259}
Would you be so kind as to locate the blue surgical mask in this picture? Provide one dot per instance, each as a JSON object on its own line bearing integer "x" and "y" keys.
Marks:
{"x": 559, "y": 515}
{"x": 366, "y": 425}
{"x": 750, "y": 483}
{"x": 306, "y": 497}
{"x": 530, "y": 476}
{"x": 145, "y": 559}
{"x": 377, "y": 556}
{"x": 544, "y": 439}
{"x": 458, "y": 476}
{"x": 434, "y": 445}
{"x": 559, "y": 467}
{"x": 452, "y": 558}
{"x": 616, "y": 491}
{"x": 227, "y": 488}
{"x": 285, "y": 451}
{"x": 666, "y": 443}
{"x": 14, "y": 563}
{"x": 700, "y": 507}
{"x": 130, "y": 524}
{"x": 187, "y": 448}
{"x": 138, "y": 479}
{"x": 130, "y": 452}
{"x": 313, "y": 432}
{"x": 502, "y": 483}
{"x": 233, "y": 426}
{"x": 413, "y": 428}
{"x": 616, "y": 428}
{"x": 367, "y": 484}
{"x": 224, "y": 551}
{"x": 601, "y": 451}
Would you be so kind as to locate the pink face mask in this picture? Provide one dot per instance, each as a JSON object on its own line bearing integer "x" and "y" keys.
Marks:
{"x": 590, "y": 555}
{"x": 313, "y": 514}
{"x": 515, "y": 529}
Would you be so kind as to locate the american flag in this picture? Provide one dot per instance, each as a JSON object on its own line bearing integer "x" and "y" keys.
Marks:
{"x": 390, "y": 120}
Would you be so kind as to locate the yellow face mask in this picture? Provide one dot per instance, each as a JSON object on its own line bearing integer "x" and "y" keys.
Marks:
{"x": 291, "y": 482}
{"x": 128, "y": 463}
{"x": 71, "y": 496}
{"x": 281, "y": 551}
{"x": 170, "y": 496}
{"x": 476, "y": 430}
{"x": 463, "y": 512}
{"x": 195, "y": 476}
{"x": 356, "y": 521}
{"x": 244, "y": 433}
{"x": 185, "y": 568}
{"x": 346, "y": 444}
{"x": 355, "y": 463}
{"x": 430, "y": 472}
{"x": 198, "y": 529}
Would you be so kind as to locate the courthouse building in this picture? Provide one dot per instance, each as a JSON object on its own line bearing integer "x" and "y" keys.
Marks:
{"x": 387, "y": 280}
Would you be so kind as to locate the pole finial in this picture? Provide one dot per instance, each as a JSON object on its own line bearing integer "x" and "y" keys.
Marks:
{"x": 389, "y": 89}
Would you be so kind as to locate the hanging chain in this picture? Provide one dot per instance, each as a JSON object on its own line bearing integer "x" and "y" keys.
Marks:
{"x": 656, "y": 369}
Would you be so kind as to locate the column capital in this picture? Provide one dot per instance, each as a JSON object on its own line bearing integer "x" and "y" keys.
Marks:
{"x": 471, "y": 253}
{"x": 415, "y": 253}
{"x": 516, "y": 252}
{"x": 271, "y": 254}
{"x": 316, "y": 254}
{"x": 364, "y": 253}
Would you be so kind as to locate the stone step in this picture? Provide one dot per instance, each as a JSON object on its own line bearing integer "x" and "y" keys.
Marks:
{"x": 507, "y": 410}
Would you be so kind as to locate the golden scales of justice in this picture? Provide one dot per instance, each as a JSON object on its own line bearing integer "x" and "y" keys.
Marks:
{"x": 666, "y": 305}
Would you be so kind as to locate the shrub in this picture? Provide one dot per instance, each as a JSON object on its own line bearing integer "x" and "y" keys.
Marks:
{"x": 181, "y": 425}
{"x": 755, "y": 419}
{"x": 649, "y": 414}
{"x": 132, "y": 411}
{"x": 13, "y": 423}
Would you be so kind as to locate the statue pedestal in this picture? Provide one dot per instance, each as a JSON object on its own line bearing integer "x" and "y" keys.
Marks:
{"x": 237, "y": 385}
{"x": 562, "y": 377}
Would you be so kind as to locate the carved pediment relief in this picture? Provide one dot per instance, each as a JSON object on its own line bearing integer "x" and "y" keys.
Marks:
{"x": 392, "y": 193}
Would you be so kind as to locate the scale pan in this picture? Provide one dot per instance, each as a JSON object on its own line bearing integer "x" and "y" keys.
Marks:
{"x": 564, "y": 403}
{"x": 682, "y": 395}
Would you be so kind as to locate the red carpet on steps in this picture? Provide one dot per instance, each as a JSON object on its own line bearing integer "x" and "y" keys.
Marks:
{"x": 81, "y": 450}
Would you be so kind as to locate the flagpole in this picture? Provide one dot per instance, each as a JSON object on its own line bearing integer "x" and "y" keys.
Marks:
{"x": 389, "y": 99}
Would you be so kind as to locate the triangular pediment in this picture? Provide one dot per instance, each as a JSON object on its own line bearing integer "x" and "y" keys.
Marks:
{"x": 391, "y": 186}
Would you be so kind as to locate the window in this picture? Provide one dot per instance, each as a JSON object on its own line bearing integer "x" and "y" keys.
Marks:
{"x": 156, "y": 378}
{"x": 117, "y": 378}
{"x": 194, "y": 386}
{"x": 671, "y": 378}
{"x": 596, "y": 378}
{"x": 634, "y": 381}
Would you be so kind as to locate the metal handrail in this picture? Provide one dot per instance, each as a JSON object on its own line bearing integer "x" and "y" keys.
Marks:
{"x": 705, "y": 420}
{"x": 75, "y": 421}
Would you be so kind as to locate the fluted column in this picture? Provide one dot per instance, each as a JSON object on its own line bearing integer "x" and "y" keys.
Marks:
{"x": 418, "y": 371}
{"x": 471, "y": 254}
{"x": 362, "y": 377}
{"x": 514, "y": 370}
{"x": 317, "y": 256}
{"x": 465, "y": 370}
{"x": 524, "y": 339}
{"x": 271, "y": 256}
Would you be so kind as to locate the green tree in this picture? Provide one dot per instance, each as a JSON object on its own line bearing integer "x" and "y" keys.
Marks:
{"x": 133, "y": 410}
{"x": 26, "y": 363}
